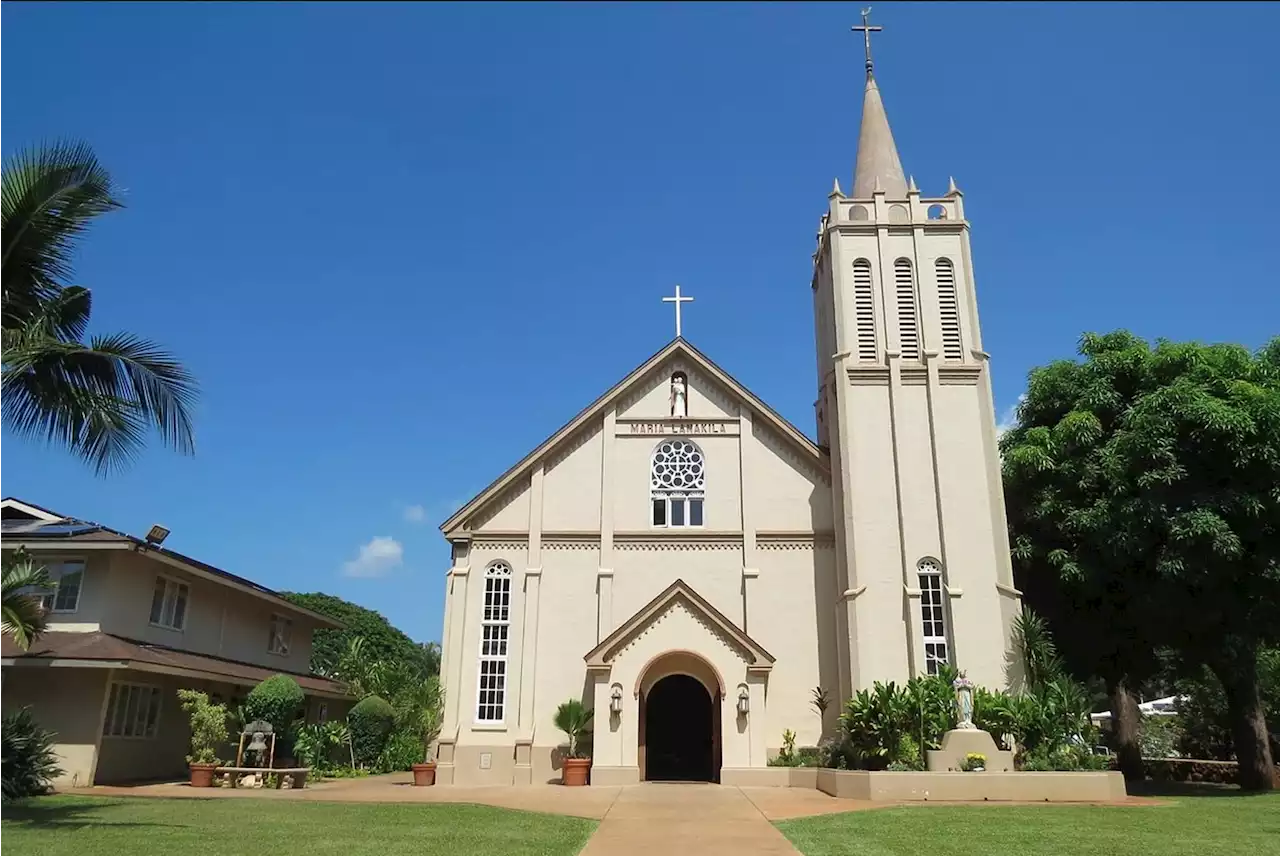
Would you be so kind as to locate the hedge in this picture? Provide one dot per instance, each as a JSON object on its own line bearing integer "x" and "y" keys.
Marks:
{"x": 370, "y": 721}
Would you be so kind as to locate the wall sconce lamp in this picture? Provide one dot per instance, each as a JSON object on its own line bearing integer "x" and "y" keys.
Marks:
{"x": 744, "y": 702}
{"x": 615, "y": 701}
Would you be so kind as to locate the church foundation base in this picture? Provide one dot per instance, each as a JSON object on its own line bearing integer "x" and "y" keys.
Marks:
{"x": 972, "y": 787}
{"x": 615, "y": 775}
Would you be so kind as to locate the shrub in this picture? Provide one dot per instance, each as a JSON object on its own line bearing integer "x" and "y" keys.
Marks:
{"x": 208, "y": 726}
{"x": 890, "y": 724}
{"x": 1160, "y": 736}
{"x": 29, "y": 764}
{"x": 277, "y": 700}
{"x": 403, "y": 750}
{"x": 371, "y": 721}
{"x": 836, "y": 753}
{"x": 808, "y": 756}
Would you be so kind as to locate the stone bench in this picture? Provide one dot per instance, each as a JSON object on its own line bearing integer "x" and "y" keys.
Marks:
{"x": 297, "y": 776}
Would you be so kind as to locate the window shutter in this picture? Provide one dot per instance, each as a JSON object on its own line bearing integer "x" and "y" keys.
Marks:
{"x": 949, "y": 310}
{"x": 864, "y": 310}
{"x": 908, "y": 323}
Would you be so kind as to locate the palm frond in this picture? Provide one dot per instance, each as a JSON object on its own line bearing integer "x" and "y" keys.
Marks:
{"x": 21, "y": 612}
{"x": 97, "y": 400}
{"x": 50, "y": 194}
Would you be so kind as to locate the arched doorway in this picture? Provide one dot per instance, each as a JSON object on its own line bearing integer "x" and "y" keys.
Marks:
{"x": 679, "y": 731}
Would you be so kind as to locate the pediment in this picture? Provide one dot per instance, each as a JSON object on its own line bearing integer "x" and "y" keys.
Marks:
{"x": 679, "y": 599}
{"x": 627, "y": 397}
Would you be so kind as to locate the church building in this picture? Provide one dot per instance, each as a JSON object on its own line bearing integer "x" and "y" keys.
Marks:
{"x": 693, "y": 567}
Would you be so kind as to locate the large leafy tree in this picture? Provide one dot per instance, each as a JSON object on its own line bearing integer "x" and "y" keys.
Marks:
{"x": 380, "y": 646}
{"x": 98, "y": 398}
{"x": 1145, "y": 512}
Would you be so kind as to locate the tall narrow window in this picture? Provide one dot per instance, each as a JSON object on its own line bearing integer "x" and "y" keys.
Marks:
{"x": 678, "y": 477}
{"x": 908, "y": 322}
{"x": 280, "y": 636}
{"x": 931, "y": 615}
{"x": 948, "y": 309}
{"x": 495, "y": 625}
{"x": 133, "y": 710}
{"x": 864, "y": 310}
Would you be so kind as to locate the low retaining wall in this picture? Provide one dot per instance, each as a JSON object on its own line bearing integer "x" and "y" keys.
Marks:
{"x": 972, "y": 787}
{"x": 1191, "y": 770}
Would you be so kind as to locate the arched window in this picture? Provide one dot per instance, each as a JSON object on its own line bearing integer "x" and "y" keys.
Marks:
{"x": 864, "y": 310}
{"x": 948, "y": 309}
{"x": 495, "y": 625}
{"x": 908, "y": 322}
{"x": 932, "y": 615}
{"x": 678, "y": 476}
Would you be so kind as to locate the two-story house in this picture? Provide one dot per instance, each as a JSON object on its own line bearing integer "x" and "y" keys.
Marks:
{"x": 129, "y": 624}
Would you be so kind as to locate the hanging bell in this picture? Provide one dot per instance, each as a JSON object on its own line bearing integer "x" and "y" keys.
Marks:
{"x": 258, "y": 743}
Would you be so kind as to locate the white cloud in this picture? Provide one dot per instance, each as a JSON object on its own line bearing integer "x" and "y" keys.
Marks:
{"x": 1009, "y": 418}
{"x": 377, "y": 558}
{"x": 415, "y": 514}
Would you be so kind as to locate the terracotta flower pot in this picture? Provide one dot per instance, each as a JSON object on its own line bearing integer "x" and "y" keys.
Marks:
{"x": 575, "y": 771}
{"x": 424, "y": 774}
{"x": 202, "y": 775}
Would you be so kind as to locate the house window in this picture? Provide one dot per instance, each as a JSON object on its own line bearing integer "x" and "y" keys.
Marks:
{"x": 169, "y": 603}
{"x": 677, "y": 484}
{"x": 931, "y": 615}
{"x": 133, "y": 710}
{"x": 495, "y": 625}
{"x": 66, "y": 577}
{"x": 281, "y": 633}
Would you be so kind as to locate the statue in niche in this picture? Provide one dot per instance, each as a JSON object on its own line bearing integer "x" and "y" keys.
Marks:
{"x": 679, "y": 396}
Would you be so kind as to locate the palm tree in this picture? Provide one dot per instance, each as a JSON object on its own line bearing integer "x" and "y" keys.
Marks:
{"x": 22, "y": 613}
{"x": 574, "y": 719}
{"x": 97, "y": 399}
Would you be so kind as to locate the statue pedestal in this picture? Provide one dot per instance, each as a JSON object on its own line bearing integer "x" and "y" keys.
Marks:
{"x": 959, "y": 742}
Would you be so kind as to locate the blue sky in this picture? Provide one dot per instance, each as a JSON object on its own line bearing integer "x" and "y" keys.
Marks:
{"x": 400, "y": 244}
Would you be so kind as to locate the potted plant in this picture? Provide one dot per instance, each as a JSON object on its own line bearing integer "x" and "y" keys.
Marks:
{"x": 208, "y": 733}
{"x": 974, "y": 762}
{"x": 426, "y": 711}
{"x": 574, "y": 719}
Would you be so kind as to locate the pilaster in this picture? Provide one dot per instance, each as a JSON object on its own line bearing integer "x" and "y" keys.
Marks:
{"x": 604, "y": 603}
{"x": 607, "y": 439}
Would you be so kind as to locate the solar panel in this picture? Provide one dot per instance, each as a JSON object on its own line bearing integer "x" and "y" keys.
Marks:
{"x": 46, "y": 528}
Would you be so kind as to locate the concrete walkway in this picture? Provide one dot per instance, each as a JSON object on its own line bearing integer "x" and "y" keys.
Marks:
{"x": 709, "y": 820}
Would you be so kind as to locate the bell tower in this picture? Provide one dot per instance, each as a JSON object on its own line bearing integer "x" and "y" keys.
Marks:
{"x": 905, "y": 406}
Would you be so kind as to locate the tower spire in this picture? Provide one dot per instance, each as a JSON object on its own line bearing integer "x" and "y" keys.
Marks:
{"x": 877, "y": 153}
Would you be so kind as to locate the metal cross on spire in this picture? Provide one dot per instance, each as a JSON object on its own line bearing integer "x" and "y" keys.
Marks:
{"x": 866, "y": 29}
{"x": 677, "y": 300}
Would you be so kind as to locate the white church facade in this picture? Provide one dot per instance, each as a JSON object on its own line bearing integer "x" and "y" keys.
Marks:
{"x": 692, "y": 566}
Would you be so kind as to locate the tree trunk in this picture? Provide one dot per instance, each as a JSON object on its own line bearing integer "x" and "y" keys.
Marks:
{"x": 1248, "y": 723}
{"x": 1126, "y": 724}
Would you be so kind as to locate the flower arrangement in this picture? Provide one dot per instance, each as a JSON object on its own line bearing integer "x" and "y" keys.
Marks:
{"x": 974, "y": 762}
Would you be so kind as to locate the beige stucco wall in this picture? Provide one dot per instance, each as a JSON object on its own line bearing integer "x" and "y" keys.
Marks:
{"x": 68, "y": 702}
{"x": 220, "y": 621}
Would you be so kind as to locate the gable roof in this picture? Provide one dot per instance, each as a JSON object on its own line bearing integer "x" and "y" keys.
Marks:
{"x": 601, "y": 656}
{"x": 676, "y": 347}
{"x": 28, "y": 510}
{"x": 58, "y": 532}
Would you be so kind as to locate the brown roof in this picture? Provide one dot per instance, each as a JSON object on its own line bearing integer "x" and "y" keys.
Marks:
{"x": 115, "y": 649}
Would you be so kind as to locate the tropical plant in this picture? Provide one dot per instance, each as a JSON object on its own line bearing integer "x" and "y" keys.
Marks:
{"x": 359, "y": 668}
{"x": 208, "y": 726}
{"x": 820, "y": 702}
{"x": 23, "y": 614}
{"x": 371, "y": 722}
{"x": 574, "y": 719}
{"x": 97, "y": 399}
{"x": 788, "y": 750}
{"x": 403, "y": 749}
{"x": 1036, "y": 649}
{"x": 875, "y": 722}
{"x": 1160, "y": 736}
{"x": 420, "y": 713}
{"x": 276, "y": 700}
{"x": 28, "y": 761}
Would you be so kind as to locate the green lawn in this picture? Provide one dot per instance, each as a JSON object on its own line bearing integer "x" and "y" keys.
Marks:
{"x": 91, "y": 826}
{"x": 1224, "y": 824}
